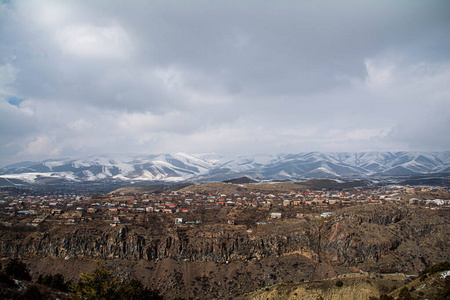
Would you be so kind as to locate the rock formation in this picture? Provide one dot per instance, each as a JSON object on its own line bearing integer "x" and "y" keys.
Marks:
{"x": 369, "y": 238}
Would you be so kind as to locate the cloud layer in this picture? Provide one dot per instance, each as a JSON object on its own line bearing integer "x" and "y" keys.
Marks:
{"x": 86, "y": 77}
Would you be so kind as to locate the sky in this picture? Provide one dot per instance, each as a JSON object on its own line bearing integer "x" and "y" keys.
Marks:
{"x": 79, "y": 78}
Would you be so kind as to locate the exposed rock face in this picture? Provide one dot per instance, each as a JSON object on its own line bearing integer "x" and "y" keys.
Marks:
{"x": 177, "y": 260}
{"x": 127, "y": 242}
{"x": 386, "y": 236}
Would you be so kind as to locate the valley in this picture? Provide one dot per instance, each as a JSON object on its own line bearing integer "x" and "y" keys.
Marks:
{"x": 224, "y": 240}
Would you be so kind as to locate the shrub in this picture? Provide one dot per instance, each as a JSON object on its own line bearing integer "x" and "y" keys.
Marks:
{"x": 444, "y": 293}
{"x": 393, "y": 288}
{"x": 405, "y": 294}
{"x": 18, "y": 270}
{"x": 100, "y": 284}
{"x": 135, "y": 290}
{"x": 54, "y": 281}
{"x": 339, "y": 283}
{"x": 4, "y": 278}
{"x": 443, "y": 266}
{"x": 31, "y": 293}
{"x": 58, "y": 282}
{"x": 47, "y": 280}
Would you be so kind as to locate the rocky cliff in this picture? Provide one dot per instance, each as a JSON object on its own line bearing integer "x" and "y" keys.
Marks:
{"x": 369, "y": 238}
{"x": 365, "y": 235}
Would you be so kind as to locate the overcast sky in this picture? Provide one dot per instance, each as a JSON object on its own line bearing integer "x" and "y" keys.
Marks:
{"x": 232, "y": 77}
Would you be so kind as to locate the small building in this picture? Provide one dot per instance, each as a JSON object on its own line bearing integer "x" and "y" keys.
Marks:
{"x": 92, "y": 210}
{"x": 275, "y": 215}
{"x": 413, "y": 201}
{"x": 438, "y": 201}
{"x": 326, "y": 214}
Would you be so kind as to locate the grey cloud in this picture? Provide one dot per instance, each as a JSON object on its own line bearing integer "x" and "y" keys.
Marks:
{"x": 243, "y": 77}
{"x": 290, "y": 47}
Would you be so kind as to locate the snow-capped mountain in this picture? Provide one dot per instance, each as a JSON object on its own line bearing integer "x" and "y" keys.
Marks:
{"x": 212, "y": 167}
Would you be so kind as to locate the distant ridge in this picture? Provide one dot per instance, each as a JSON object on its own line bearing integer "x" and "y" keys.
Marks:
{"x": 241, "y": 180}
{"x": 182, "y": 167}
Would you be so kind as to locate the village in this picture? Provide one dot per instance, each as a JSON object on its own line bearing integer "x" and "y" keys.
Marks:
{"x": 185, "y": 207}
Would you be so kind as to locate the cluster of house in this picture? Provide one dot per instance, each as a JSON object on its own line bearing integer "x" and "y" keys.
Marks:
{"x": 25, "y": 204}
{"x": 119, "y": 207}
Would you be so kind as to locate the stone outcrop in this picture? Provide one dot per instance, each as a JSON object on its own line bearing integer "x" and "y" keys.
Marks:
{"x": 368, "y": 237}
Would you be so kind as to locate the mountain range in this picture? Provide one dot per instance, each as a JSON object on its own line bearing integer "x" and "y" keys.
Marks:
{"x": 182, "y": 167}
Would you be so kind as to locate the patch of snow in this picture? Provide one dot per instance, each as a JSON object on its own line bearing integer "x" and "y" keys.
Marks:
{"x": 31, "y": 177}
{"x": 55, "y": 163}
{"x": 283, "y": 174}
